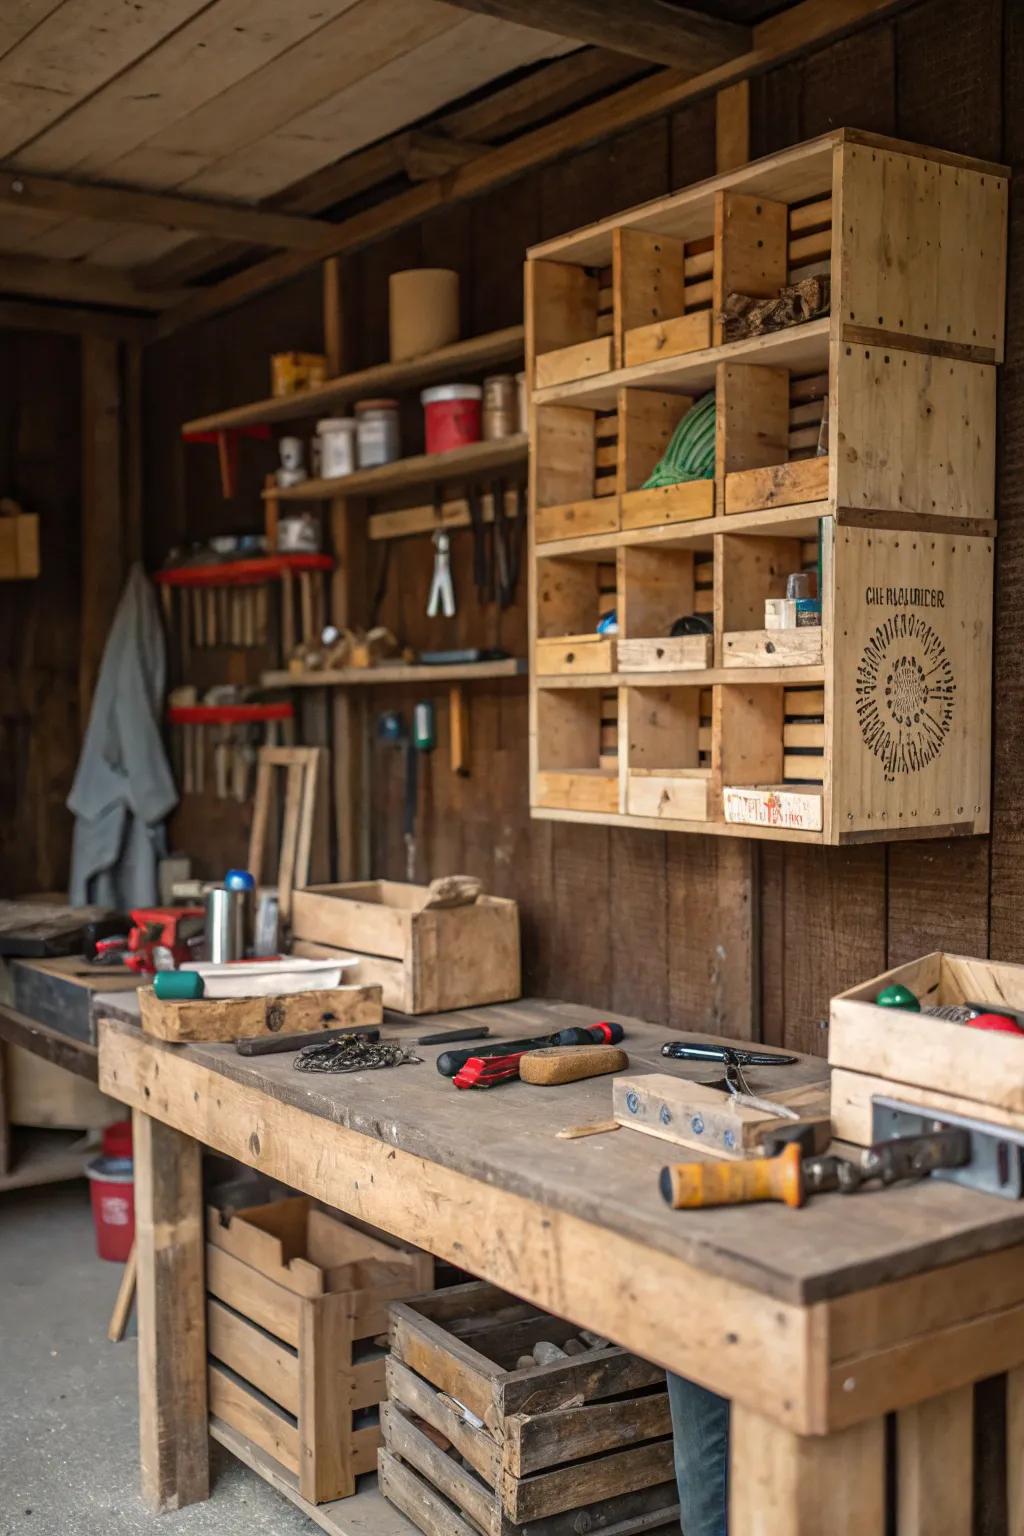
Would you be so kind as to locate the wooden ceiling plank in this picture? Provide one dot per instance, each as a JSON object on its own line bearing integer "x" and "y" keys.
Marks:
{"x": 367, "y": 36}
{"x": 124, "y": 205}
{"x": 551, "y": 88}
{"x": 226, "y": 43}
{"x": 809, "y": 24}
{"x": 655, "y": 30}
{"x": 401, "y": 90}
{"x": 74, "y": 51}
{"x": 80, "y": 282}
{"x": 19, "y": 17}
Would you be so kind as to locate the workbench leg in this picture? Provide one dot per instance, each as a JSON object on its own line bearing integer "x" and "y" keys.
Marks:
{"x": 935, "y": 1463}
{"x": 1015, "y": 1450}
{"x": 782, "y": 1484}
{"x": 173, "y": 1434}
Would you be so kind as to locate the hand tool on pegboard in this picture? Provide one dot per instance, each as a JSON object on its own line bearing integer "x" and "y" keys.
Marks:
{"x": 604, "y": 1033}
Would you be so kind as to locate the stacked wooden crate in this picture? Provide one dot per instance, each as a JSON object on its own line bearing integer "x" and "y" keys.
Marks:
{"x": 296, "y": 1299}
{"x": 475, "y": 1442}
{"x": 855, "y": 446}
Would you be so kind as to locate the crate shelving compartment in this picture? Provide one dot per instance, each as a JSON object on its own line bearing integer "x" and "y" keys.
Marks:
{"x": 856, "y": 445}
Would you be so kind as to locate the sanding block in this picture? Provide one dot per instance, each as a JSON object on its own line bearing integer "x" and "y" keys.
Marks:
{"x": 569, "y": 1063}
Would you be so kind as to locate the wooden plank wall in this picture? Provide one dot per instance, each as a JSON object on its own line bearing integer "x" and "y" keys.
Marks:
{"x": 40, "y": 620}
{"x": 676, "y": 928}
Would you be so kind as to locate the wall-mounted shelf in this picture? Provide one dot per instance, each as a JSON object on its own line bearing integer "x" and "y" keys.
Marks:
{"x": 474, "y": 355}
{"x": 857, "y": 447}
{"x": 347, "y": 677}
{"x": 241, "y": 573}
{"x": 422, "y": 469}
{"x": 228, "y": 714}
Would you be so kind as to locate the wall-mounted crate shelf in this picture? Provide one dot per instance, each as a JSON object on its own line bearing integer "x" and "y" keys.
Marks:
{"x": 857, "y": 446}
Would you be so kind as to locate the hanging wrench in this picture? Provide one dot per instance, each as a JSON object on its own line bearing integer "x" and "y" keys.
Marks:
{"x": 442, "y": 594}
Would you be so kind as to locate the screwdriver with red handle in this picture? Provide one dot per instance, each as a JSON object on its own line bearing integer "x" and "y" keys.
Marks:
{"x": 479, "y": 1069}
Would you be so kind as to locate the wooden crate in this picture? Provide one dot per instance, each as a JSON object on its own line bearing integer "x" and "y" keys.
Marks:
{"x": 19, "y": 547}
{"x": 242, "y": 1018}
{"x": 295, "y": 1299}
{"x": 583, "y": 1443}
{"x": 425, "y": 960}
{"x": 923, "y": 1060}
{"x": 868, "y": 430}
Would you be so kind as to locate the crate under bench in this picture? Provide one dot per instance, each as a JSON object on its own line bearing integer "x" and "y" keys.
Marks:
{"x": 473, "y": 1442}
{"x": 295, "y": 1300}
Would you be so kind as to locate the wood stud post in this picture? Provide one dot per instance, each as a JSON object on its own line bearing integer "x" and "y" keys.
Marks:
{"x": 174, "y": 1445}
{"x": 782, "y": 1484}
{"x": 935, "y": 1453}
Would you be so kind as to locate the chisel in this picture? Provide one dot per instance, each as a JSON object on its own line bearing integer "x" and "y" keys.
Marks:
{"x": 270, "y": 1045}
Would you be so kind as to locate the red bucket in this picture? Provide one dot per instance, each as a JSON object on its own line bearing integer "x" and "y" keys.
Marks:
{"x": 113, "y": 1206}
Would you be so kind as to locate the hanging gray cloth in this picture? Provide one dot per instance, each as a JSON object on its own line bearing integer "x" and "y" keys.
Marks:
{"x": 123, "y": 788}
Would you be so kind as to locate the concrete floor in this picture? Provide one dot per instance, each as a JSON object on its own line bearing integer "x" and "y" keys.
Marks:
{"x": 68, "y": 1415}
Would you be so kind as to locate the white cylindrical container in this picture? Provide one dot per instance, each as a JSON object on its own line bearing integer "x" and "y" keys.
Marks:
{"x": 377, "y": 432}
{"x": 337, "y": 436}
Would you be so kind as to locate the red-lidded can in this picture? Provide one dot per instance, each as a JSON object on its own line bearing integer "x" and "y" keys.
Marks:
{"x": 112, "y": 1191}
{"x": 452, "y": 416}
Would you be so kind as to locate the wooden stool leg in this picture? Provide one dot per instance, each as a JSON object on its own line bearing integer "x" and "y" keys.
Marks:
{"x": 935, "y": 1458}
{"x": 123, "y": 1304}
{"x": 174, "y": 1443}
{"x": 782, "y": 1484}
{"x": 1015, "y": 1450}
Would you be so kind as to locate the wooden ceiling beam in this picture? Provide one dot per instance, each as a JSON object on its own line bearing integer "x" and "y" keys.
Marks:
{"x": 123, "y": 205}
{"x": 79, "y": 282}
{"x": 656, "y": 30}
{"x": 808, "y": 25}
{"x": 72, "y": 320}
{"x": 433, "y": 154}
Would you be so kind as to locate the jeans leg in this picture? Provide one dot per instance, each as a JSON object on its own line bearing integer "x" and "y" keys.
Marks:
{"x": 700, "y": 1424}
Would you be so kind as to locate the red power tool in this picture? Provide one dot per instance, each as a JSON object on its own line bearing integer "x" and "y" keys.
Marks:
{"x": 487, "y": 1071}
{"x": 166, "y": 928}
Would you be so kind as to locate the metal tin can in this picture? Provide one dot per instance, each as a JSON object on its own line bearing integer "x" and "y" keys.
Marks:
{"x": 378, "y": 437}
{"x": 499, "y": 407}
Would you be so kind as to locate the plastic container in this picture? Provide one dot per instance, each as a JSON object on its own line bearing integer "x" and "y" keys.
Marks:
{"x": 112, "y": 1192}
{"x": 377, "y": 432}
{"x": 117, "y": 1139}
{"x": 337, "y": 435}
{"x": 451, "y": 414}
{"x": 500, "y": 407}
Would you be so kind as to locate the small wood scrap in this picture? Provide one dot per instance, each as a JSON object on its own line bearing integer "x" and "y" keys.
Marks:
{"x": 452, "y": 891}
{"x": 237, "y": 1018}
{"x": 794, "y": 304}
{"x": 124, "y": 1302}
{"x": 348, "y": 648}
{"x": 594, "y": 1128}
{"x": 707, "y": 1118}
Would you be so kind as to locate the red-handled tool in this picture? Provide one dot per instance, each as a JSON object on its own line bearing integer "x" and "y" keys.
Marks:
{"x": 602, "y": 1034}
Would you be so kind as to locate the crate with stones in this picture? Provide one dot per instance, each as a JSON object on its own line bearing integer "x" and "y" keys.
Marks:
{"x": 295, "y": 1300}
{"x": 427, "y": 957}
{"x": 923, "y": 1059}
{"x": 502, "y": 1419}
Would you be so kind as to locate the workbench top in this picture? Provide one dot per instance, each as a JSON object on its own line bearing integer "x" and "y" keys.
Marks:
{"x": 506, "y": 1138}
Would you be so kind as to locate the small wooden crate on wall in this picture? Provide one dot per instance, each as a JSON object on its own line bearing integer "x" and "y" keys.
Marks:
{"x": 426, "y": 959}
{"x": 583, "y": 1443}
{"x": 295, "y": 1299}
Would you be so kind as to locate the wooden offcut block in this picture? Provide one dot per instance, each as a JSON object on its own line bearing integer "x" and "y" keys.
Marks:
{"x": 240, "y": 1018}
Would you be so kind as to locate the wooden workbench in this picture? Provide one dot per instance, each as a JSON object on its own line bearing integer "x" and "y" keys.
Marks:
{"x": 815, "y": 1323}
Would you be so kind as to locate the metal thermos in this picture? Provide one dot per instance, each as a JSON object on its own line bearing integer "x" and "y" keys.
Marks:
{"x": 229, "y": 918}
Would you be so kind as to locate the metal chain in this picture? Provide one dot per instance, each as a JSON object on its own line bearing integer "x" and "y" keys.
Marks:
{"x": 352, "y": 1055}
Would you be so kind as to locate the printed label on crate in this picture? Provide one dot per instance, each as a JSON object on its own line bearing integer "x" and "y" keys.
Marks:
{"x": 906, "y": 688}
{"x": 770, "y": 806}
